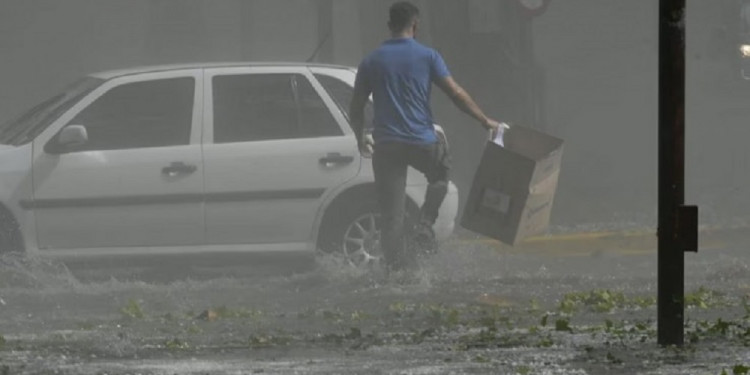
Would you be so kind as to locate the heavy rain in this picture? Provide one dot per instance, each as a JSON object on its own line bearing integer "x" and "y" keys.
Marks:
{"x": 182, "y": 189}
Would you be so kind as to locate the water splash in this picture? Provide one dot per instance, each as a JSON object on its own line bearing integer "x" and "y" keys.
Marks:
{"x": 20, "y": 270}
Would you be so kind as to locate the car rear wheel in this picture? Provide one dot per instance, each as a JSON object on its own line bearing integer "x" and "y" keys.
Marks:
{"x": 354, "y": 233}
{"x": 360, "y": 244}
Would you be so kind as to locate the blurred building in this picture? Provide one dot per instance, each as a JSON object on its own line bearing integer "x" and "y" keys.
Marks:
{"x": 486, "y": 42}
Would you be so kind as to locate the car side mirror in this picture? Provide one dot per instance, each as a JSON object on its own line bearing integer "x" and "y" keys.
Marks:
{"x": 69, "y": 137}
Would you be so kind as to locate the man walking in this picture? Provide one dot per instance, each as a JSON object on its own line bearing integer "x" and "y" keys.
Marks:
{"x": 399, "y": 74}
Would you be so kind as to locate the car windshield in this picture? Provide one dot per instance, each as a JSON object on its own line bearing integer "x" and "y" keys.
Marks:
{"x": 30, "y": 123}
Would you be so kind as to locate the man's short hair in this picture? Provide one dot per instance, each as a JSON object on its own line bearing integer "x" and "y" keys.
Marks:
{"x": 402, "y": 14}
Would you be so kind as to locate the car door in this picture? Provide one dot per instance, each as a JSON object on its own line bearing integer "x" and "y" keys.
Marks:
{"x": 138, "y": 179}
{"x": 274, "y": 148}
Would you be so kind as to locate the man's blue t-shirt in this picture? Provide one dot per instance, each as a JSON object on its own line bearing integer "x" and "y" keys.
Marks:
{"x": 400, "y": 74}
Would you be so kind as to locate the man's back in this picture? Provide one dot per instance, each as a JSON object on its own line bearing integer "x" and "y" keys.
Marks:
{"x": 400, "y": 74}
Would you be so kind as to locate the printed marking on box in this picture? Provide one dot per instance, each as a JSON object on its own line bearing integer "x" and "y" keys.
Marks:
{"x": 496, "y": 201}
{"x": 533, "y": 211}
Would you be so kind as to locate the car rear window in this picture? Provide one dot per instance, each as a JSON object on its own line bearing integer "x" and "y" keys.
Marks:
{"x": 258, "y": 107}
{"x": 341, "y": 93}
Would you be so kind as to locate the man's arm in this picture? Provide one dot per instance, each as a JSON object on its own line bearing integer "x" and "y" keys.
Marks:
{"x": 357, "y": 111}
{"x": 465, "y": 103}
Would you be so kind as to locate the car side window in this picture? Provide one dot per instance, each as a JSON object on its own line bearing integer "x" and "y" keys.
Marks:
{"x": 145, "y": 114}
{"x": 342, "y": 94}
{"x": 257, "y": 107}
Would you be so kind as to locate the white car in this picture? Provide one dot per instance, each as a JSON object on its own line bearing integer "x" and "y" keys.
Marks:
{"x": 195, "y": 159}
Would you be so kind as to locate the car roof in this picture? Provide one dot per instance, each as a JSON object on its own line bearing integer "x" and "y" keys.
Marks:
{"x": 109, "y": 74}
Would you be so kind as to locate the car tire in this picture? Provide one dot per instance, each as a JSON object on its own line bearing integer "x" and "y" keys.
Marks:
{"x": 354, "y": 233}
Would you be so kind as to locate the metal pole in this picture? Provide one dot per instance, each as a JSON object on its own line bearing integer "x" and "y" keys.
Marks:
{"x": 671, "y": 257}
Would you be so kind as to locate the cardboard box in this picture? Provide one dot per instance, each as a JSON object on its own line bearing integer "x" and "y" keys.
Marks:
{"x": 514, "y": 187}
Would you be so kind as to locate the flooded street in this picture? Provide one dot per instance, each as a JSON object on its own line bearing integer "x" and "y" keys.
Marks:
{"x": 570, "y": 305}
{"x": 199, "y": 130}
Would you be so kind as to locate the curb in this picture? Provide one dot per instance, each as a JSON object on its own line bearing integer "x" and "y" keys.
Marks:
{"x": 615, "y": 242}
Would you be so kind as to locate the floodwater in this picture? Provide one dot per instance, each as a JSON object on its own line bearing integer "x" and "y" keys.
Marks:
{"x": 476, "y": 308}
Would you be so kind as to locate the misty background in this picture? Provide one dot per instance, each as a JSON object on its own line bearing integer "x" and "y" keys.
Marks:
{"x": 585, "y": 71}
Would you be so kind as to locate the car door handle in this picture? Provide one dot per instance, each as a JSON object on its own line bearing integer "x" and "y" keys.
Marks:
{"x": 177, "y": 168}
{"x": 336, "y": 158}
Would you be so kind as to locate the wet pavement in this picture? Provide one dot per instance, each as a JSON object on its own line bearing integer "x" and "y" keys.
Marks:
{"x": 575, "y": 305}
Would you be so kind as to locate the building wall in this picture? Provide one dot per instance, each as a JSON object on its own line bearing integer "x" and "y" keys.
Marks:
{"x": 599, "y": 57}
{"x": 47, "y": 43}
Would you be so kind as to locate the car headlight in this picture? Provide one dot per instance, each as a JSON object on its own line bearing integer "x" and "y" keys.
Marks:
{"x": 745, "y": 50}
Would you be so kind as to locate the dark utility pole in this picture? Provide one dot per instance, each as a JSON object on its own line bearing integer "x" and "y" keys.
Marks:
{"x": 678, "y": 224}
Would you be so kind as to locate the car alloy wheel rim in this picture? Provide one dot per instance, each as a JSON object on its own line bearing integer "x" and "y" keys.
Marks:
{"x": 361, "y": 244}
